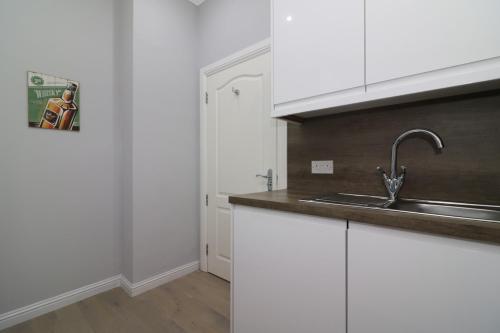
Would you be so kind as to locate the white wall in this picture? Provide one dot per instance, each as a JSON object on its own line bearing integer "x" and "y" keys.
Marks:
{"x": 165, "y": 136}
{"x": 171, "y": 40}
{"x": 227, "y": 26}
{"x": 122, "y": 195}
{"x": 59, "y": 227}
{"x": 124, "y": 121}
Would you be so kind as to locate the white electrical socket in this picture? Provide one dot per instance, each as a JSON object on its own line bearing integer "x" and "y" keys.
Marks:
{"x": 322, "y": 167}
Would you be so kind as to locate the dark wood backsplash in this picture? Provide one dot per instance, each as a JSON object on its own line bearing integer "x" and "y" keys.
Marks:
{"x": 467, "y": 170}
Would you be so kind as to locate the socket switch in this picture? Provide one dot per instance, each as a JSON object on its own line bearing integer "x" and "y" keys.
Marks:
{"x": 322, "y": 167}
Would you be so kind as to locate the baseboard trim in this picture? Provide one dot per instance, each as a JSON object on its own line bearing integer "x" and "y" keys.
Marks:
{"x": 34, "y": 310}
{"x": 134, "y": 289}
{"x": 20, "y": 315}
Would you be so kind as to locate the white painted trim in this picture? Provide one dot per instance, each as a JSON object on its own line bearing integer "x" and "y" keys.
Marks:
{"x": 231, "y": 285}
{"x": 126, "y": 285}
{"x": 26, "y": 313}
{"x": 282, "y": 126}
{"x": 203, "y": 173}
{"x": 197, "y": 2}
{"x": 134, "y": 289}
{"x": 20, "y": 315}
{"x": 282, "y": 154}
{"x": 237, "y": 58}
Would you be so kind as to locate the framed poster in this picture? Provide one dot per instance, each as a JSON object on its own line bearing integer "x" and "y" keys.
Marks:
{"x": 53, "y": 102}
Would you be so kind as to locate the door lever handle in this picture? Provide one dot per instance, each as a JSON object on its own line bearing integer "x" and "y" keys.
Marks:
{"x": 269, "y": 178}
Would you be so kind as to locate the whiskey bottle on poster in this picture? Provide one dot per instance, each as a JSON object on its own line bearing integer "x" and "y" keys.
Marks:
{"x": 60, "y": 113}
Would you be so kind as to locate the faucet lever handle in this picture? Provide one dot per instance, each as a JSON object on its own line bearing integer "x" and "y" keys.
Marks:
{"x": 382, "y": 171}
{"x": 403, "y": 169}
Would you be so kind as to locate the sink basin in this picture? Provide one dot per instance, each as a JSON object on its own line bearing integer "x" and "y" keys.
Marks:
{"x": 464, "y": 210}
{"x": 350, "y": 199}
{"x": 490, "y": 213}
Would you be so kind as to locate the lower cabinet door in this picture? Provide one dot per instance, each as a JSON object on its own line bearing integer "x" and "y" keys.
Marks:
{"x": 407, "y": 282}
{"x": 288, "y": 273}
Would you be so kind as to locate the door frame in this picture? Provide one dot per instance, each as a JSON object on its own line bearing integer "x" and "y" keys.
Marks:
{"x": 237, "y": 58}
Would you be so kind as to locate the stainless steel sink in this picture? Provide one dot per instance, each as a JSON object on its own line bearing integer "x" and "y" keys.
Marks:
{"x": 350, "y": 199}
{"x": 464, "y": 210}
{"x": 480, "y": 212}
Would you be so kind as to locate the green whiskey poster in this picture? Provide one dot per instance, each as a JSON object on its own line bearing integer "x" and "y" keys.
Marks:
{"x": 53, "y": 102}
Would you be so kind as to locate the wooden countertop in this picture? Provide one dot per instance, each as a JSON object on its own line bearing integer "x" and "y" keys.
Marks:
{"x": 288, "y": 201}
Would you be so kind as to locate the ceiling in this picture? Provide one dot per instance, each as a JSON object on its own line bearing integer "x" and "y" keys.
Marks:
{"x": 197, "y": 2}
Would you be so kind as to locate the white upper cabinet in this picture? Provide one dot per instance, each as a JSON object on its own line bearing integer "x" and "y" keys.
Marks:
{"x": 408, "y": 37}
{"x": 318, "y": 49}
{"x": 348, "y": 54}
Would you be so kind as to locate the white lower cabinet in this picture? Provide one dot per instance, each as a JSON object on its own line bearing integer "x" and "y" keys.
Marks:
{"x": 400, "y": 281}
{"x": 289, "y": 276}
{"x": 288, "y": 272}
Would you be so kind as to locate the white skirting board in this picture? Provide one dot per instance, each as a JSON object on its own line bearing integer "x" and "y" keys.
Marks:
{"x": 23, "y": 314}
{"x": 134, "y": 289}
{"x": 39, "y": 308}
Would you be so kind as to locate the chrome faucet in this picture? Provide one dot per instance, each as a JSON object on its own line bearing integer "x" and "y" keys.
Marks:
{"x": 395, "y": 181}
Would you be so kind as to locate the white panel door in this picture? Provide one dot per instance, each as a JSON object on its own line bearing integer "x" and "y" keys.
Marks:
{"x": 318, "y": 47}
{"x": 241, "y": 143}
{"x": 409, "y": 282}
{"x": 407, "y": 37}
{"x": 289, "y": 273}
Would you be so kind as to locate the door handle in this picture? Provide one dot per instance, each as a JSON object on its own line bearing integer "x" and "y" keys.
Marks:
{"x": 269, "y": 178}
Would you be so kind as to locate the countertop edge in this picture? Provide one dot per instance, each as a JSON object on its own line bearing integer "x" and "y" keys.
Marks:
{"x": 457, "y": 227}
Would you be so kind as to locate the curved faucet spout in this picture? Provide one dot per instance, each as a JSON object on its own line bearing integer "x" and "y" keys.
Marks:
{"x": 394, "y": 157}
{"x": 395, "y": 181}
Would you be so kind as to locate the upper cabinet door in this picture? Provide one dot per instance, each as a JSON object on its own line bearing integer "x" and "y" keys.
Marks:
{"x": 408, "y": 37}
{"x": 318, "y": 49}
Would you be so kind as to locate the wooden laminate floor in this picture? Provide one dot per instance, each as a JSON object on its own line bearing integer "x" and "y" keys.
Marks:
{"x": 198, "y": 302}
